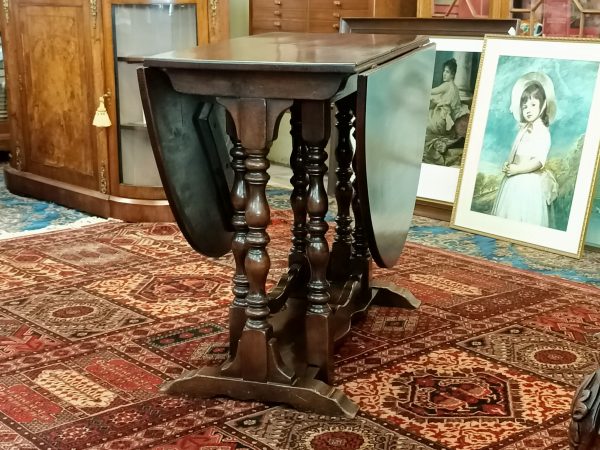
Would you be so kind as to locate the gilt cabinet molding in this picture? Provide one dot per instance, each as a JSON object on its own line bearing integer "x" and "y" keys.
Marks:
{"x": 65, "y": 55}
{"x": 320, "y": 16}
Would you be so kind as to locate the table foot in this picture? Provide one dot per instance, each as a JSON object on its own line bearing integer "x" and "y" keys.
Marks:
{"x": 352, "y": 301}
{"x": 304, "y": 393}
{"x": 388, "y": 294}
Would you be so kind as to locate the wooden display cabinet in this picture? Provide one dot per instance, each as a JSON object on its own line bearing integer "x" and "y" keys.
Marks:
{"x": 62, "y": 55}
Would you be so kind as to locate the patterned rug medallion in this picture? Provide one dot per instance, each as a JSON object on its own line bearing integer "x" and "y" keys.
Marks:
{"x": 93, "y": 320}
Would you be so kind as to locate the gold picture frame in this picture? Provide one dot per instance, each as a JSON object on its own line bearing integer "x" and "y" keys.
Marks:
{"x": 437, "y": 185}
{"x": 532, "y": 148}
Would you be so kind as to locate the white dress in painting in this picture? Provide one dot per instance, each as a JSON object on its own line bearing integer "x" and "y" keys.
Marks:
{"x": 522, "y": 197}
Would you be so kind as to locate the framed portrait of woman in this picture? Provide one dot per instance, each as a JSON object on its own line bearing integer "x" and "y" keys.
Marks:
{"x": 531, "y": 153}
{"x": 458, "y": 50}
{"x": 453, "y": 87}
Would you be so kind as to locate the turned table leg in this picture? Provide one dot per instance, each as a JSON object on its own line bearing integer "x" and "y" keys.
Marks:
{"x": 339, "y": 269}
{"x": 237, "y": 310}
{"x": 267, "y": 361}
{"x": 299, "y": 182}
{"x": 257, "y": 357}
{"x": 319, "y": 340}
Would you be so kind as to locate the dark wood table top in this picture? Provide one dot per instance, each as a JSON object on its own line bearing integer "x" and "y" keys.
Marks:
{"x": 292, "y": 52}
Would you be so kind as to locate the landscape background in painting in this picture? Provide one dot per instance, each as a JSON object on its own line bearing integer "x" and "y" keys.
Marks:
{"x": 574, "y": 83}
{"x": 592, "y": 237}
{"x": 446, "y": 149}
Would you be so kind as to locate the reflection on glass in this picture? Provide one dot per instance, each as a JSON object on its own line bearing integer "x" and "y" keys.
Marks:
{"x": 460, "y": 8}
{"x": 3, "y": 102}
{"x": 139, "y": 31}
{"x": 593, "y": 232}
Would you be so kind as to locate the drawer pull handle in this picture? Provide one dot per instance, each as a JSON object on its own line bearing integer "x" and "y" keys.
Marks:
{"x": 336, "y": 15}
{"x": 336, "y": 26}
{"x": 337, "y": 3}
{"x": 277, "y": 13}
{"x": 277, "y": 24}
{"x": 277, "y": 2}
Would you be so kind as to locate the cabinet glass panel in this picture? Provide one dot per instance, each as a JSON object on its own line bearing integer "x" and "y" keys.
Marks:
{"x": 139, "y": 31}
{"x": 3, "y": 103}
{"x": 460, "y": 8}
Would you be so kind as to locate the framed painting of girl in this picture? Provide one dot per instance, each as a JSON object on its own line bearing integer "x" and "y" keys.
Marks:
{"x": 531, "y": 152}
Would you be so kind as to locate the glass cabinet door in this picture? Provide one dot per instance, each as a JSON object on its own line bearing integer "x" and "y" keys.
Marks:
{"x": 460, "y": 8}
{"x": 139, "y": 31}
{"x": 4, "y": 129}
{"x": 3, "y": 102}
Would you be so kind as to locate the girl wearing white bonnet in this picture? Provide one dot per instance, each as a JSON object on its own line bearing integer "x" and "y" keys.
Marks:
{"x": 527, "y": 189}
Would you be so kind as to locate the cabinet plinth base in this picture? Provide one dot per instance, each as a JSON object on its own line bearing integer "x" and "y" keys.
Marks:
{"x": 86, "y": 200}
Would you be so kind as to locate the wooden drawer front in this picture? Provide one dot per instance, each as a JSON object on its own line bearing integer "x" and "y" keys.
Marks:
{"x": 333, "y": 16}
{"x": 279, "y": 4}
{"x": 279, "y": 15}
{"x": 269, "y": 25}
{"x": 323, "y": 27}
{"x": 339, "y": 5}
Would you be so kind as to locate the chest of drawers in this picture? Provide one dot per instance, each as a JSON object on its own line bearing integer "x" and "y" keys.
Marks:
{"x": 320, "y": 16}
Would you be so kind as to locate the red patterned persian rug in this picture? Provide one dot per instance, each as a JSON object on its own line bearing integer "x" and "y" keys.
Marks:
{"x": 93, "y": 320}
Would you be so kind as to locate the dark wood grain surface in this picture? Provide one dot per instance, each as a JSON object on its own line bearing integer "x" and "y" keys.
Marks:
{"x": 302, "y": 52}
{"x": 430, "y": 26}
{"x": 277, "y": 353}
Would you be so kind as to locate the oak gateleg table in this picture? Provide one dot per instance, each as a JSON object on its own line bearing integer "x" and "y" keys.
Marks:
{"x": 281, "y": 343}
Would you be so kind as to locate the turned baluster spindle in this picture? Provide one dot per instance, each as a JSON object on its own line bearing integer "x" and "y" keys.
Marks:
{"x": 360, "y": 247}
{"x": 343, "y": 187}
{"x": 339, "y": 269}
{"x": 315, "y": 132}
{"x": 299, "y": 181}
{"x": 316, "y": 123}
{"x": 238, "y": 244}
{"x": 257, "y": 262}
{"x": 318, "y": 248}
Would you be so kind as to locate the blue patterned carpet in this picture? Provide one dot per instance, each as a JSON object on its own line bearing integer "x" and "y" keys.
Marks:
{"x": 21, "y": 215}
{"x": 435, "y": 233}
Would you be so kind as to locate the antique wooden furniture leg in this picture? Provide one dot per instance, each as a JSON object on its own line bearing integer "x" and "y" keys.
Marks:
{"x": 237, "y": 310}
{"x": 294, "y": 282}
{"x": 359, "y": 289}
{"x": 341, "y": 251}
{"x": 319, "y": 339}
{"x": 281, "y": 343}
{"x": 262, "y": 366}
{"x": 584, "y": 430}
{"x": 298, "y": 196}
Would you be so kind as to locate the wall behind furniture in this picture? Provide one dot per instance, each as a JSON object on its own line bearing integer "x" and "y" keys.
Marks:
{"x": 239, "y": 18}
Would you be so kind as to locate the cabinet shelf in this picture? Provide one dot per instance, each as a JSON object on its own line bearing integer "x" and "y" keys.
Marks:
{"x": 139, "y": 126}
{"x": 131, "y": 59}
